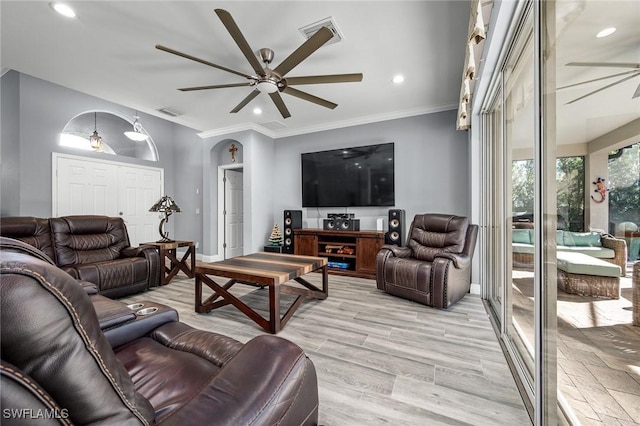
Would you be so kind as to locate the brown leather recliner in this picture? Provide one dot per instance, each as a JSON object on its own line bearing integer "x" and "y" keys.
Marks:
{"x": 434, "y": 267}
{"x": 58, "y": 364}
{"x": 90, "y": 248}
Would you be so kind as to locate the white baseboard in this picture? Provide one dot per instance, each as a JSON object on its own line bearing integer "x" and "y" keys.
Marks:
{"x": 475, "y": 289}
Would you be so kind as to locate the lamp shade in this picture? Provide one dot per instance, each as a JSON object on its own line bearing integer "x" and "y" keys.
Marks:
{"x": 165, "y": 204}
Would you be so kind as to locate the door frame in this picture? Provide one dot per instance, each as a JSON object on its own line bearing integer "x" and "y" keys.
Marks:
{"x": 221, "y": 205}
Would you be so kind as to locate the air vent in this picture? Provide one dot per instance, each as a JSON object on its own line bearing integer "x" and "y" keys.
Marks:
{"x": 309, "y": 30}
{"x": 169, "y": 112}
{"x": 273, "y": 125}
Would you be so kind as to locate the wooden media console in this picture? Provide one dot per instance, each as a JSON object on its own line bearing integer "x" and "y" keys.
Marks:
{"x": 350, "y": 253}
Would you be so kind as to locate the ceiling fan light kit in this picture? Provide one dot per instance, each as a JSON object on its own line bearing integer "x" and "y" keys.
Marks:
{"x": 136, "y": 134}
{"x": 272, "y": 81}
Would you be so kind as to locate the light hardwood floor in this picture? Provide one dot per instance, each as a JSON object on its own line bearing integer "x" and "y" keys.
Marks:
{"x": 380, "y": 360}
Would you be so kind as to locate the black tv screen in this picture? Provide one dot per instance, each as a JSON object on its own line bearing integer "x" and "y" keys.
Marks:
{"x": 350, "y": 177}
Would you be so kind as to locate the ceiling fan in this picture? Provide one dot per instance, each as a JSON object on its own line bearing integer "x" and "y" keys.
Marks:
{"x": 271, "y": 81}
{"x": 634, "y": 72}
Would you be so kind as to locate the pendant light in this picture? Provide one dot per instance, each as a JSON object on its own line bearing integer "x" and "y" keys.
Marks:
{"x": 136, "y": 134}
{"x": 95, "y": 139}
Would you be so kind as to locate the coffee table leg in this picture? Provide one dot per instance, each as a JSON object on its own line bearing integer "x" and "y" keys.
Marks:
{"x": 198, "y": 293}
{"x": 325, "y": 280}
{"x": 274, "y": 308}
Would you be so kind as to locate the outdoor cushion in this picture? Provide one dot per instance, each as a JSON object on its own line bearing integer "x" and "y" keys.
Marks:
{"x": 559, "y": 237}
{"x": 599, "y": 252}
{"x": 582, "y": 239}
{"x": 578, "y": 263}
{"x": 521, "y": 236}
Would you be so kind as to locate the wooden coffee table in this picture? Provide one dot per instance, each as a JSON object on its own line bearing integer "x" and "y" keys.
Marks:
{"x": 263, "y": 269}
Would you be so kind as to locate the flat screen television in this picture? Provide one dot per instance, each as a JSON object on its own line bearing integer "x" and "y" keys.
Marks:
{"x": 361, "y": 176}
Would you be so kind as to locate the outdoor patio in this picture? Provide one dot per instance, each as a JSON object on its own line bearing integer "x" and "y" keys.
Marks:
{"x": 598, "y": 351}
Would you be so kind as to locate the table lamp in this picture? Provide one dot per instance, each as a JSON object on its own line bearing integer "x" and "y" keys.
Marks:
{"x": 166, "y": 206}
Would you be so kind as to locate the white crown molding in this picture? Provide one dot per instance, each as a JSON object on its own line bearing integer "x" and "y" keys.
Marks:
{"x": 394, "y": 115}
{"x": 237, "y": 128}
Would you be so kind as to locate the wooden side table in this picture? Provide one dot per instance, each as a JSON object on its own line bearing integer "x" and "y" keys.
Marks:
{"x": 167, "y": 252}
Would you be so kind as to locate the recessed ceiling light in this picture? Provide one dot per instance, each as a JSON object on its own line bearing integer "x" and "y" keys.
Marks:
{"x": 606, "y": 32}
{"x": 63, "y": 9}
{"x": 398, "y": 79}
{"x": 257, "y": 111}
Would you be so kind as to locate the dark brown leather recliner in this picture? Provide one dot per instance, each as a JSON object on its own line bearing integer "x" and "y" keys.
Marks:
{"x": 90, "y": 248}
{"x": 434, "y": 268}
{"x": 57, "y": 363}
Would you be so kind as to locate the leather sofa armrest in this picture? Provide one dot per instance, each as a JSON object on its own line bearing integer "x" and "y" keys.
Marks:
{"x": 398, "y": 251}
{"x": 89, "y": 287}
{"x": 141, "y": 325}
{"x": 136, "y": 251}
{"x": 285, "y": 377}
{"x": 460, "y": 261}
{"x": 150, "y": 253}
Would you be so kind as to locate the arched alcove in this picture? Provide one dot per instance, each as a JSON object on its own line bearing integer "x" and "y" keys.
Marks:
{"x": 110, "y": 127}
{"x": 219, "y": 157}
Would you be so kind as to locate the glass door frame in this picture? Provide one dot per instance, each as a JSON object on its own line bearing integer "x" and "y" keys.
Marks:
{"x": 539, "y": 390}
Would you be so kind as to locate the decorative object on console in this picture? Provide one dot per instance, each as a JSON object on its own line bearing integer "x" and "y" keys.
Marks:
{"x": 396, "y": 233}
{"x": 275, "y": 239}
{"x": 600, "y": 189}
{"x": 292, "y": 220}
{"x": 95, "y": 139}
{"x": 137, "y": 134}
{"x": 166, "y": 206}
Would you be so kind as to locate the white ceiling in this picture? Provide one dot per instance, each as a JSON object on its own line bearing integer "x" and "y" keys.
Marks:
{"x": 108, "y": 52}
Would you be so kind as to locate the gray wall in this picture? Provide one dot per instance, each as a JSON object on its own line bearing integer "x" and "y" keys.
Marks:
{"x": 10, "y": 144}
{"x": 431, "y": 167}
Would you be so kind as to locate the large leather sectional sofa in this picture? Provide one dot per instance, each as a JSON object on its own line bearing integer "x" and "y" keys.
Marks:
{"x": 62, "y": 365}
{"x": 90, "y": 248}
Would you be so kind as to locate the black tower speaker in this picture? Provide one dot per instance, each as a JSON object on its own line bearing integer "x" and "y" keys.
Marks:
{"x": 292, "y": 220}
{"x": 397, "y": 228}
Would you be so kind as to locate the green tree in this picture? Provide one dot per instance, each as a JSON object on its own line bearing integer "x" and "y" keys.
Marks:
{"x": 570, "y": 186}
{"x": 624, "y": 185}
{"x": 569, "y": 181}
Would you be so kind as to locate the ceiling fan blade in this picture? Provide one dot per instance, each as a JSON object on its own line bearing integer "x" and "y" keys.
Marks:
{"x": 277, "y": 99}
{"x": 314, "y": 43}
{"x": 202, "y": 61}
{"x": 604, "y": 64}
{"x": 637, "y": 93}
{"x": 308, "y": 97}
{"x": 215, "y": 86}
{"x": 321, "y": 79}
{"x": 605, "y": 87}
{"x": 246, "y": 100}
{"x": 242, "y": 43}
{"x": 595, "y": 79}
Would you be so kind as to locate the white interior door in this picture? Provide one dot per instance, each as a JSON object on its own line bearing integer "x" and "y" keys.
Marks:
{"x": 88, "y": 186}
{"x": 84, "y": 187}
{"x": 138, "y": 189}
{"x": 233, "y": 214}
